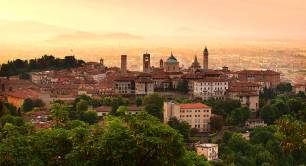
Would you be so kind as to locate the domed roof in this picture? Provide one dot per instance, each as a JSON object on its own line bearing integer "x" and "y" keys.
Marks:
{"x": 171, "y": 59}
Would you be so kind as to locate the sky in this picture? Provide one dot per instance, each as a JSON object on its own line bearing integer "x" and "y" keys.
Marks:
{"x": 56, "y": 24}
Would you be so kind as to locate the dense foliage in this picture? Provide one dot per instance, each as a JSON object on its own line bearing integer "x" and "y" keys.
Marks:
{"x": 46, "y": 62}
{"x": 122, "y": 140}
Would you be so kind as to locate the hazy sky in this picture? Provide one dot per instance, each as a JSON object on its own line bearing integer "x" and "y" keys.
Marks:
{"x": 101, "y": 28}
{"x": 224, "y": 18}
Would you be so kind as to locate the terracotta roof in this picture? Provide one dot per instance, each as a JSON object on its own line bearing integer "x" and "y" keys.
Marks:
{"x": 264, "y": 72}
{"x": 104, "y": 109}
{"x": 193, "y": 106}
{"x": 144, "y": 80}
{"x": 124, "y": 79}
{"x": 213, "y": 79}
{"x": 24, "y": 94}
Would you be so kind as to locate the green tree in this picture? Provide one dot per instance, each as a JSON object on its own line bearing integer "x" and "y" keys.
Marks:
{"x": 183, "y": 86}
{"x": 60, "y": 112}
{"x": 122, "y": 110}
{"x": 38, "y": 103}
{"x": 81, "y": 106}
{"x": 90, "y": 117}
{"x": 268, "y": 113}
{"x": 292, "y": 135}
{"x": 27, "y": 105}
{"x": 154, "y": 110}
{"x": 284, "y": 87}
{"x": 183, "y": 127}
{"x": 138, "y": 101}
{"x": 239, "y": 115}
{"x": 17, "y": 121}
{"x": 216, "y": 123}
{"x": 154, "y": 99}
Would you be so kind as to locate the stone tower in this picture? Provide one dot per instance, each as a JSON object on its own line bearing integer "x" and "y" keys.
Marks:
{"x": 161, "y": 63}
{"x": 123, "y": 63}
{"x": 205, "y": 59}
{"x": 146, "y": 63}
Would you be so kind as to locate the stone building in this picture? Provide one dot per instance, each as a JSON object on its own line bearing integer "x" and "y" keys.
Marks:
{"x": 171, "y": 65}
{"x": 197, "y": 115}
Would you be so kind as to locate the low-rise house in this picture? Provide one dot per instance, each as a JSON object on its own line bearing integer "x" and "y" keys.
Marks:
{"x": 253, "y": 123}
{"x": 210, "y": 151}
{"x": 197, "y": 115}
{"x": 17, "y": 97}
{"x": 299, "y": 88}
{"x": 105, "y": 110}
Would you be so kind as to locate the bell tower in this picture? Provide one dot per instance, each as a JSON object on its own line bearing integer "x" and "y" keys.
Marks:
{"x": 205, "y": 59}
{"x": 146, "y": 62}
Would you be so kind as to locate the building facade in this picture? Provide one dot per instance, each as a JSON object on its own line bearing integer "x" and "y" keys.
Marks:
{"x": 144, "y": 86}
{"x": 267, "y": 78}
{"x": 124, "y": 85}
{"x": 210, "y": 88}
{"x": 210, "y": 151}
{"x": 171, "y": 65}
{"x": 197, "y": 115}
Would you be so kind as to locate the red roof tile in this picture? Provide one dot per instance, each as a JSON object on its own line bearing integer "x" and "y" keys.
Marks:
{"x": 193, "y": 106}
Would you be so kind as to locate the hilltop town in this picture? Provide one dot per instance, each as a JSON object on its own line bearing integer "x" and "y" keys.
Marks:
{"x": 178, "y": 95}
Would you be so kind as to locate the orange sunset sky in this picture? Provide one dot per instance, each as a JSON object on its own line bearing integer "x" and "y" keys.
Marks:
{"x": 34, "y": 27}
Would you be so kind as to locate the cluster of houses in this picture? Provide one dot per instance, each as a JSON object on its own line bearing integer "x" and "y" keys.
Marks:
{"x": 97, "y": 80}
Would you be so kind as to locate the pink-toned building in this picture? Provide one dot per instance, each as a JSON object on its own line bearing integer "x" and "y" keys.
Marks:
{"x": 197, "y": 115}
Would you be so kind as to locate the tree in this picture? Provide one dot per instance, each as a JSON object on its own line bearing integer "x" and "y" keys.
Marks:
{"x": 239, "y": 115}
{"x": 268, "y": 113}
{"x": 183, "y": 127}
{"x": 24, "y": 76}
{"x": 10, "y": 108}
{"x": 81, "y": 106}
{"x": 223, "y": 107}
{"x": 292, "y": 135}
{"x": 59, "y": 112}
{"x": 138, "y": 101}
{"x": 284, "y": 87}
{"x": 154, "y": 110}
{"x": 193, "y": 159}
{"x": 17, "y": 121}
{"x": 154, "y": 99}
{"x": 295, "y": 105}
{"x": 38, "y": 103}
{"x": 90, "y": 117}
{"x": 122, "y": 110}
{"x": 116, "y": 103}
{"x": 216, "y": 123}
{"x": 183, "y": 86}
{"x": 27, "y": 105}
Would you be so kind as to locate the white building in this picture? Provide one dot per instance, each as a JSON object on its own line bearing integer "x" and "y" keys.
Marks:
{"x": 210, "y": 151}
{"x": 197, "y": 115}
{"x": 210, "y": 88}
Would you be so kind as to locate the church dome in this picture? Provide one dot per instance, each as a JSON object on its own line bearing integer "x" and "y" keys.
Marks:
{"x": 171, "y": 59}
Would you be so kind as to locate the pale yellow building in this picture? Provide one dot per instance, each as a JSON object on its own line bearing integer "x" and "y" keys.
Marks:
{"x": 197, "y": 115}
{"x": 210, "y": 151}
